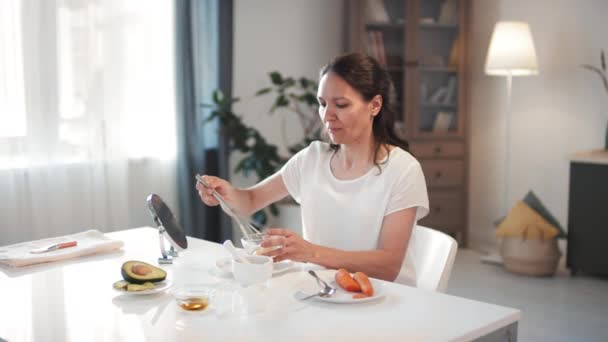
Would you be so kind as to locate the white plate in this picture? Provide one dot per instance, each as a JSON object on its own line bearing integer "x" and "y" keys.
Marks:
{"x": 341, "y": 296}
{"x": 225, "y": 265}
{"x": 159, "y": 287}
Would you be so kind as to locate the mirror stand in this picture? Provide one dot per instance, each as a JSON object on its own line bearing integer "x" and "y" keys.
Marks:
{"x": 167, "y": 256}
{"x": 169, "y": 229}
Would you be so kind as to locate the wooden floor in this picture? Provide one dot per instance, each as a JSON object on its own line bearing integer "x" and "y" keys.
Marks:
{"x": 559, "y": 308}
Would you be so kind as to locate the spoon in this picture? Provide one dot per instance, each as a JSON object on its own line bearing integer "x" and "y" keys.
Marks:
{"x": 235, "y": 254}
{"x": 327, "y": 290}
{"x": 319, "y": 280}
{"x": 243, "y": 223}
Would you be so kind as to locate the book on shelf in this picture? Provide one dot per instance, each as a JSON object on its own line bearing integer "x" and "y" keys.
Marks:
{"x": 450, "y": 95}
{"x": 448, "y": 13}
{"x": 453, "y": 60}
{"x": 438, "y": 96}
{"x": 443, "y": 121}
{"x": 375, "y": 11}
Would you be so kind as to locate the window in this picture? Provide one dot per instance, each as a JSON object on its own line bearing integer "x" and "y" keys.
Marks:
{"x": 86, "y": 80}
{"x": 12, "y": 97}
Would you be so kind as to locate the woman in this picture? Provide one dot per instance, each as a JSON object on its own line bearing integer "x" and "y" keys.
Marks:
{"x": 360, "y": 195}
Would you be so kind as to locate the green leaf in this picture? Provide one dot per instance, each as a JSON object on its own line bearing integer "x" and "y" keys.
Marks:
{"x": 217, "y": 96}
{"x": 276, "y": 78}
{"x": 210, "y": 117}
{"x": 263, "y": 91}
{"x": 310, "y": 99}
{"x": 599, "y": 73}
{"x": 282, "y": 101}
{"x": 239, "y": 166}
{"x": 288, "y": 82}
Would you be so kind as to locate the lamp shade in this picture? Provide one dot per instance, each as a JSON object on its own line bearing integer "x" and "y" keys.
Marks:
{"x": 511, "y": 50}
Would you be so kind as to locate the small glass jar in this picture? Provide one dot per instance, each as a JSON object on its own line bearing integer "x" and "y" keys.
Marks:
{"x": 194, "y": 298}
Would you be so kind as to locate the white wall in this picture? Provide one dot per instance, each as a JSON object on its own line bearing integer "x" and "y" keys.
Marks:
{"x": 293, "y": 37}
{"x": 561, "y": 111}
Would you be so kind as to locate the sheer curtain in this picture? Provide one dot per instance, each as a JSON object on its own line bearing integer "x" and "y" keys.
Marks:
{"x": 87, "y": 114}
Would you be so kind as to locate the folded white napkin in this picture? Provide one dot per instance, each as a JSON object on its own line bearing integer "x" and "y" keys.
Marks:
{"x": 89, "y": 242}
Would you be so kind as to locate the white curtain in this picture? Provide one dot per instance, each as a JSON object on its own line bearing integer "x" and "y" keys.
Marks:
{"x": 87, "y": 115}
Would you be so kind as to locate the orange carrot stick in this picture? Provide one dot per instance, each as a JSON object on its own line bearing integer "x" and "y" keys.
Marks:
{"x": 347, "y": 282}
{"x": 363, "y": 281}
{"x": 359, "y": 295}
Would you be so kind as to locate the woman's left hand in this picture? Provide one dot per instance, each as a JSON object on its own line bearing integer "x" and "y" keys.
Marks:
{"x": 294, "y": 247}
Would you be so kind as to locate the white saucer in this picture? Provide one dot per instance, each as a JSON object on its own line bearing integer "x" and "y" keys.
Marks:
{"x": 225, "y": 265}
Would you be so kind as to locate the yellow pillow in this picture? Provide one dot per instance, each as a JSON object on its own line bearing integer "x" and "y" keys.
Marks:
{"x": 523, "y": 220}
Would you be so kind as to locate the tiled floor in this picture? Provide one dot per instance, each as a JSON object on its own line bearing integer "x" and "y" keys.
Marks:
{"x": 560, "y": 308}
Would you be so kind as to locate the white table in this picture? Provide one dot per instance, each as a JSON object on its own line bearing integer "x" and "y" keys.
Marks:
{"x": 74, "y": 301}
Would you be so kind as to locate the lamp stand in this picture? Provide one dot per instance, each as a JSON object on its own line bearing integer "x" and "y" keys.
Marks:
{"x": 507, "y": 155}
{"x": 495, "y": 258}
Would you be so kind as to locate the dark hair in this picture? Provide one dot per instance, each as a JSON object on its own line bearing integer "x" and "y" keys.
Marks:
{"x": 365, "y": 75}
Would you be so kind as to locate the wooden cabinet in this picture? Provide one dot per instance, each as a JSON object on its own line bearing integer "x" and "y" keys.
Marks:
{"x": 423, "y": 45}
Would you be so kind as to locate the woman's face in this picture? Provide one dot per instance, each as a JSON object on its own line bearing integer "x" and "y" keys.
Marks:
{"x": 345, "y": 114}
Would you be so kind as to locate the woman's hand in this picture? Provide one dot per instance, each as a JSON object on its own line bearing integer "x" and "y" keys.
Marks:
{"x": 224, "y": 188}
{"x": 294, "y": 247}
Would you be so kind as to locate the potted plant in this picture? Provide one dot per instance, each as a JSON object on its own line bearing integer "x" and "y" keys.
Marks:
{"x": 601, "y": 72}
{"x": 298, "y": 97}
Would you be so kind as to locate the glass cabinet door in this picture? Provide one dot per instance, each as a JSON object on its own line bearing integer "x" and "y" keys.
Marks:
{"x": 437, "y": 75}
{"x": 385, "y": 40}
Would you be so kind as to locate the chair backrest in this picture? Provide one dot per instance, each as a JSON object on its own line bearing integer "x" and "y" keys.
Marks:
{"x": 432, "y": 253}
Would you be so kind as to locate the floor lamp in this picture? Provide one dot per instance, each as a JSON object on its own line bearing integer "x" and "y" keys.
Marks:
{"x": 511, "y": 53}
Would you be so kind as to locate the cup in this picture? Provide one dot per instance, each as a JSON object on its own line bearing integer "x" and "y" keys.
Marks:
{"x": 257, "y": 270}
{"x": 252, "y": 243}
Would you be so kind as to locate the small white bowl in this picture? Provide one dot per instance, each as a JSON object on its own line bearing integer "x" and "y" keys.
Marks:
{"x": 258, "y": 270}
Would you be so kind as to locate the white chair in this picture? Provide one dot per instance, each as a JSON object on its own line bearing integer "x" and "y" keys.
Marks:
{"x": 432, "y": 254}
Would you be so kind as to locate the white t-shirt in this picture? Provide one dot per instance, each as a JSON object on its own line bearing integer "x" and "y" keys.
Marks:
{"x": 348, "y": 214}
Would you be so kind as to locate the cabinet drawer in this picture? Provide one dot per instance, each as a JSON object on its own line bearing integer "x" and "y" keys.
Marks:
{"x": 437, "y": 149}
{"x": 443, "y": 172}
{"x": 445, "y": 210}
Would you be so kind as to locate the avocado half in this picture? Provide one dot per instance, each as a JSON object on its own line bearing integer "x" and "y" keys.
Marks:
{"x": 139, "y": 272}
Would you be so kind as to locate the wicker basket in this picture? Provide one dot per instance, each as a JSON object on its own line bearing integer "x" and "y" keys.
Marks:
{"x": 534, "y": 257}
